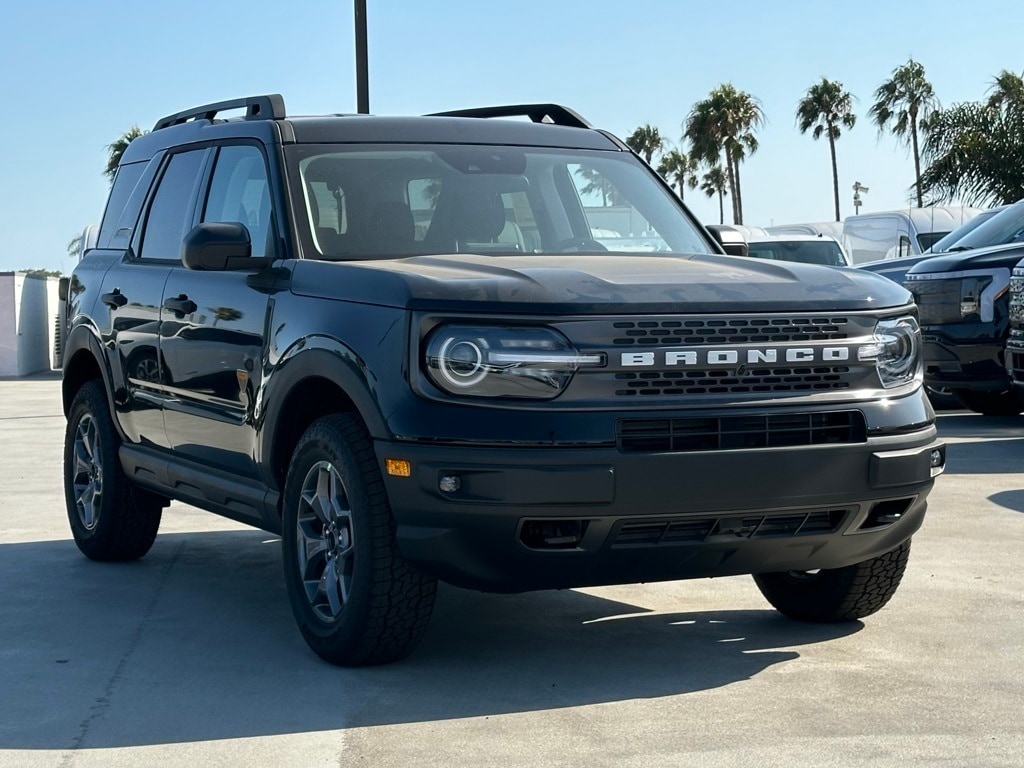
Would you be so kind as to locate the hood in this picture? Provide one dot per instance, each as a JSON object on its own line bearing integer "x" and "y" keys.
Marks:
{"x": 596, "y": 284}
{"x": 993, "y": 257}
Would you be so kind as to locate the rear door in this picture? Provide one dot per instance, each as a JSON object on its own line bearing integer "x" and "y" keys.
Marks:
{"x": 132, "y": 291}
{"x": 212, "y": 324}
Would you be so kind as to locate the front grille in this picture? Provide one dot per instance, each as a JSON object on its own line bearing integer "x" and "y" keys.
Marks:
{"x": 730, "y": 433}
{"x": 766, "y": 380}
{"x": 938, "y": 301}
{"x": 696, "y": 529}
{"x": 1017, "y": 299}
{"x": 1015, "y": 344}
{"x": 639, "y": 373}
{"x": 731, "y": 331}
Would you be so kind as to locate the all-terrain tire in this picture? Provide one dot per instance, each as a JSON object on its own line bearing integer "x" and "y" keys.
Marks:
{"x": 1008, "y": 403}
{"x": 840, "y": 594}
{"x": 111, "y": 520}
{"x": 355, "y": 599}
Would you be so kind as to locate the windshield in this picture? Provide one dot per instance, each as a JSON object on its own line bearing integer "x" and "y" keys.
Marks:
{"x": 926, "y": 240}
{"x": 400, "y": 200}
{"x": 1007, "y": 226}
{"x": 945, "y": 243}
{"x": 821, "y": 251}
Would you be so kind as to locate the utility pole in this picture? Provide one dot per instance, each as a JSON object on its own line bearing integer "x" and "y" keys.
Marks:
{"x": 857, "y": 189}
{"x": 362, "y": 73}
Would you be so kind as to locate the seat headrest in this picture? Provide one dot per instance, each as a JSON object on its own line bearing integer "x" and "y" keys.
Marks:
{"x": 479, "y": 218}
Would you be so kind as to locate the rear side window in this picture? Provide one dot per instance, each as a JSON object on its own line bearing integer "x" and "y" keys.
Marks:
{"x": 171, "y": 210}
{"x": 124, "y": 184}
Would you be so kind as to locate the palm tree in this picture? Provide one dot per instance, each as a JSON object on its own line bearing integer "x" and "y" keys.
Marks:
{"x": 975, "y": 150}
{"x": 1007, "y": 92}
{"x": 118, "y": 148}
{"x": 902, "y": 104}
{"x": 679, "y": 169}
{"x": 646, "y": 141}
{"x": 714, "y": 183}
{"x": 825, "y": 107}
{"x": 722, "y": 126}
{"x": 597, "y": 184}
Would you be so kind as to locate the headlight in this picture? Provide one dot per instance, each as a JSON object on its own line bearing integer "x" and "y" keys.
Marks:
{"x": 896, "y": 351}
{"x": 968, "y": 296}
{"x": 480, "y": 361}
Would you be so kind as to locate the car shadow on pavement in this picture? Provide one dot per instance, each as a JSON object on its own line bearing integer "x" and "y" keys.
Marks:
{"x": 197, "y": 642}
{"x": 1012, "y": 500}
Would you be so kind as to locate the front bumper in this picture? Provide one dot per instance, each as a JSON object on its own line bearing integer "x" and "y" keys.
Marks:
{"x": 553, "y": 517}
{"x": 964, "y": 364}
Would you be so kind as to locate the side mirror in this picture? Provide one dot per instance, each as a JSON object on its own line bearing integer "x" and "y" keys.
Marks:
{"x": 62, "y": 288}
{"x": 218, "y": 246}
{"x": 731, "y": 240}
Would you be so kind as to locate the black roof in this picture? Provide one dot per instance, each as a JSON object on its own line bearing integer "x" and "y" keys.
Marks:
{"x": 265, "y": 120}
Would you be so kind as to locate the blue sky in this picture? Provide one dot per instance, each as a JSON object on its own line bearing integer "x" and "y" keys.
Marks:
{"x": 76, "y": 75}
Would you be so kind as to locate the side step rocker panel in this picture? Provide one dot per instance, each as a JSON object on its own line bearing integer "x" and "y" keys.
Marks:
{"x": 243, "y": 499}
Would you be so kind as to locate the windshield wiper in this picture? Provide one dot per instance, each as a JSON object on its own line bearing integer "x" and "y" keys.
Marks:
{"x": 956, "y": 248}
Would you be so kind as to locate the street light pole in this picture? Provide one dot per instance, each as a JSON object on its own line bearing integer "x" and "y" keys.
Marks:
{"x": 362, "y": 73}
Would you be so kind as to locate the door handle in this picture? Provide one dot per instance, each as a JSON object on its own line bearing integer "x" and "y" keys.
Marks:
{"x": 115, "y": 299}
{"x": 180, "y": 306}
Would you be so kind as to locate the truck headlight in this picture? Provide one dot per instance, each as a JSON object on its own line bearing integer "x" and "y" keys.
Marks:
{"x": 970, "y": 295}
{"x": 895, "y": 350}
{"x": 481, "y": 361}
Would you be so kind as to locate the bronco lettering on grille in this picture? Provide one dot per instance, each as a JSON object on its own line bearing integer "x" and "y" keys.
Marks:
{"x": 686, "y": 358}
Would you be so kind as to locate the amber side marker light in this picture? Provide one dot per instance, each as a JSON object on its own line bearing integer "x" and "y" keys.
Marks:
{"x": 398, "y": 467}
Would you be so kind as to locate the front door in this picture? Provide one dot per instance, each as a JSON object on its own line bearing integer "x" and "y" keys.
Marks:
{"x": 212, "y": 327}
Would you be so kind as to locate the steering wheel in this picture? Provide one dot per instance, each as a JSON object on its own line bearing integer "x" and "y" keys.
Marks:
{"x": 576, "y": 245}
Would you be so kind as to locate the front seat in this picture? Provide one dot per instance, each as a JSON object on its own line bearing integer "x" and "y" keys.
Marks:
{"x": 391, "y": 229}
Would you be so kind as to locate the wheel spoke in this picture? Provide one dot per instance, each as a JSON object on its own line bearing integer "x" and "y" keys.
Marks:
{"x": 312, "y": 548}
{"x": 332, "y": 588}
{"x": 324, "y": 543}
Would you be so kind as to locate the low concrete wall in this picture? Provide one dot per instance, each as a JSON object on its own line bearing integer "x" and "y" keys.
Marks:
{"x": 28, "y": 309}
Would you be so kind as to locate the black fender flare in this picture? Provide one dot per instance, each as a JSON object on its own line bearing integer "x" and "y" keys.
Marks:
{"x": 84, "y": 338}
{"x": 316, "y": 357}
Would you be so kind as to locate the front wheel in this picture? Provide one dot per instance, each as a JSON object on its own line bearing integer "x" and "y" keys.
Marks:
{"x": 354, "y": 597}
{"x": 838, "y": 594}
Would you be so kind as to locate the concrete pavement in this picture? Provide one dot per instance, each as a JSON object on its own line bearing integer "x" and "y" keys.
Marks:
{"x": 190, "y": 656}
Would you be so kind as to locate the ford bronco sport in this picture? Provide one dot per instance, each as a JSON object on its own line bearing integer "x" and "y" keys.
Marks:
{"x": 414, "y": 348}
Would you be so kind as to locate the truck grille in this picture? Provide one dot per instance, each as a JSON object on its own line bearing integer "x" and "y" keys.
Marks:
{"x": 695, "y": 529}
{"x": 729, "y": 433}
{"x": 765, "y": 380}
{"x": 1015, "y": 344}
{"x": 731, "y": 331}
{"x": 938, "y": 301}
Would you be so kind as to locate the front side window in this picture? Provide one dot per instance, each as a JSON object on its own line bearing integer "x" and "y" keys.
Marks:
{"x": 171, "y": 209}
{"x": 400, "y": 200}
{"x": 240, "y": 192}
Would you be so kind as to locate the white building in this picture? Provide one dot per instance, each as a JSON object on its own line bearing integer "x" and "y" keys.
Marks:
{"x": 28, "y": 314}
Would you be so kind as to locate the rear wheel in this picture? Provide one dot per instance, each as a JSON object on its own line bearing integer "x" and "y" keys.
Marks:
{"x": 1008, "y": 403}
{"x": 354, "y": 597}
{"x": 838, "y": 594}
{"x": 110, "y": 518}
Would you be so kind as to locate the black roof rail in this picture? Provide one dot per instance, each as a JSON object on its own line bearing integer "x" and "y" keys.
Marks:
{"x": 268, "y": 107}
{"x": 538, "y": 113}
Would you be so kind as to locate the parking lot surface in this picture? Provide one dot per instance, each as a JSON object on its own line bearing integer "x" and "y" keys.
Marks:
{"x": 190, "y": 657}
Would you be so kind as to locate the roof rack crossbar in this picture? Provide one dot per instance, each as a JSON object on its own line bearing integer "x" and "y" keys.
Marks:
{"x": 267, "y": 107}
{"x": 538, "y": 113}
